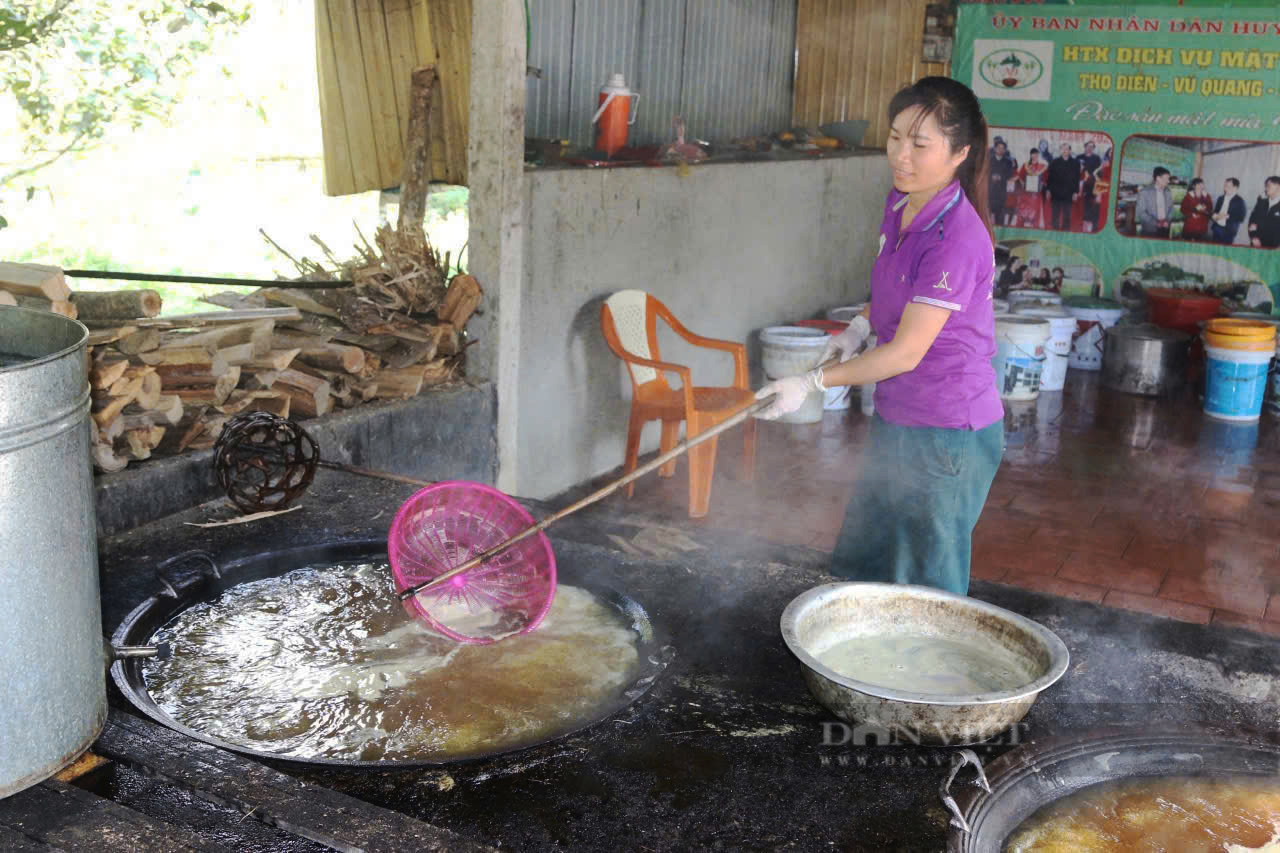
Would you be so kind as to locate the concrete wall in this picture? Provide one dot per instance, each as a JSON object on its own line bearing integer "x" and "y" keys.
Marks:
{"x": 729, "y": 248}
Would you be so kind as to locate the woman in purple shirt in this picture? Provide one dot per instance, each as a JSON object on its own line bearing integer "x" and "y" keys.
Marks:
{"x": 938, "y": 433}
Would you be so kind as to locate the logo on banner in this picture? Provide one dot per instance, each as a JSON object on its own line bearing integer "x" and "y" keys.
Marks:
{"x": 1013, "y": 70}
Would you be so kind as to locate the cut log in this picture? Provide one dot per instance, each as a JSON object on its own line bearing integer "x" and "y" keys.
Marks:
{"x": 238, "y": 354}
{"x": 367, "y": 390}
{"x": 372, "y": 364}
{"x": 105, "y": 459}
{"x": 101, "y": 337}
{"x": 438, "y": 372}
{"x": 399, "y": 383}
{"x": 252, "y": 401}
{"x": 415, "y": 176}
{"x": 261, "y": 380}
{"x": 142, "y": 441}
{"x": 333, "y": 357}
{"x": 139, "y": 341}
{"x": 106, "y": 309}
{"x": 122, "y": 385}
{"x": 109, "y": 432}
{"x": 309, "y": 394}
{"x": 106, "y": 371}
{"x": 460, "y": 301}
{"x": 220, "y": 318}
{"x": 279, "y": 405}
{"x": 198, "y": 357}
{"x": 39, "y": 303}
{"x": 256, "y": 332}
{"x": 211, "y": 428}
{"x": 34, "y": 280}
{"x": 211, "y": 395}
{"x": 276, "y": 359}
{"x": 148, "y": 396}
{"x": 106, "y": 408}
{"x": 303, "y": 301}
{"x": 289, "y": 339}
{"x": 7, "y": 298}
{"x": 167, "y": 410}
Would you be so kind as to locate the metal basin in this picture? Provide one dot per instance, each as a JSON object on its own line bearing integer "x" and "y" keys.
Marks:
{"x": 1036, "y": 774}
{"x": 1146, "y": 359}
{"x": 821, "y": 617}
{"x": 181, "y": 593}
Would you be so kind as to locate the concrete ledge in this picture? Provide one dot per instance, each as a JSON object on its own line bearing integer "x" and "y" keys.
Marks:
{"x": 438, "y": 435}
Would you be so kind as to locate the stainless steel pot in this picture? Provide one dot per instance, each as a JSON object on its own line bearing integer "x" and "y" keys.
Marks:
{"x": 1144, "y": 359}
{"x": 1022, "y": 781}
{"x": 54, "y": 701}
{"x": 821, "y": 617}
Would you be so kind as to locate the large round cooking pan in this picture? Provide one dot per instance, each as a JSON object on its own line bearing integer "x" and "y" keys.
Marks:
{"x": 177, "y": 595}
{"x": 1040, "y": 772}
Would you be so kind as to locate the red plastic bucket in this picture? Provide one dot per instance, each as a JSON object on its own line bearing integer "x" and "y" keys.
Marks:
{"x": 1180, "y": 309}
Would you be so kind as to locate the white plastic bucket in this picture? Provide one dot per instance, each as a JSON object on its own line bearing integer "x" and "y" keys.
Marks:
{"x": 1086, "y": 347}
{"x": 1062, "y": 328}
{"x": 791, "y": 351}
{"x": 1235, "y": 383}
{"x": 1020, "y": 355}
{"x": 846, "y": 313}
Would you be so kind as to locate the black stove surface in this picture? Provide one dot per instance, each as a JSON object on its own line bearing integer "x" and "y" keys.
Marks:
{"x": 727, "y": 750}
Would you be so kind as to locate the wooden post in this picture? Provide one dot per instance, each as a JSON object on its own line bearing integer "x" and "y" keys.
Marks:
{"x": 416, "y": 177}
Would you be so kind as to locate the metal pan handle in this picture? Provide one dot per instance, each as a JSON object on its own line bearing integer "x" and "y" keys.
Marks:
{"x": 963, "y": 757}
{"x": 186, "y": 556}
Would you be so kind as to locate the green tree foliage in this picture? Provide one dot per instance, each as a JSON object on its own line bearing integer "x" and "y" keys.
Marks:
{"x": 80, "y": 67}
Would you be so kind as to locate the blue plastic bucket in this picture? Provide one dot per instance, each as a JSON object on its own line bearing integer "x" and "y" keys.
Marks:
{"x": 1235, "y": 383}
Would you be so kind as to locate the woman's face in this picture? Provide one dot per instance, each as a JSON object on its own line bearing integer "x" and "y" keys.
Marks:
{"x": 920, "y": 157}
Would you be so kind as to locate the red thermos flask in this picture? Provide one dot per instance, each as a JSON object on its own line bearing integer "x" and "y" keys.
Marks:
{"x": 616, "y": 112}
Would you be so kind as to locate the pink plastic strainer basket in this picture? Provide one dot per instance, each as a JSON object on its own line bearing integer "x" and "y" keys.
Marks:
{"x": 445, "y": 525}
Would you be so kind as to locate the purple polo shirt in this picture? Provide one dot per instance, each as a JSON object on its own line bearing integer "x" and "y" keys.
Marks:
{"x": 944, "y": 258}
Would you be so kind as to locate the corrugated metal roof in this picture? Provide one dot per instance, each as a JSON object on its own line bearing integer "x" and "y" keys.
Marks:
{"x": 726, "y": 66}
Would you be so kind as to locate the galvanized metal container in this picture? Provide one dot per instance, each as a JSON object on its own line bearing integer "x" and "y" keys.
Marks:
{"x": 53, "y": 702}
{"x": 1146, "y": 359}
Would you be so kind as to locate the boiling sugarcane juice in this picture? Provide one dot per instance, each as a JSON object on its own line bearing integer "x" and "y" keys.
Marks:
{"x": 921, "y": 664}
{"x": 1186, "y": 815}
{"x": 324, "y": 662}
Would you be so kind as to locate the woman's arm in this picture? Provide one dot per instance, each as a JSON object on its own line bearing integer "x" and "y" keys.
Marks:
{"x": 917, "y": 331}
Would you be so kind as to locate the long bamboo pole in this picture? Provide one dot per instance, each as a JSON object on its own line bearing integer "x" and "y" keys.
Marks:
{"x": 591, "y": 498}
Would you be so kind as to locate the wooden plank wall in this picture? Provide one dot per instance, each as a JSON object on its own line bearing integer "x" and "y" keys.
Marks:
{"x": 365, "y": 53}
{"x": 852, "y": 56}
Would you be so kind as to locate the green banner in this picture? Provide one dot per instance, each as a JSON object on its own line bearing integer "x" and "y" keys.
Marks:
{"x": 1131, "y": 146}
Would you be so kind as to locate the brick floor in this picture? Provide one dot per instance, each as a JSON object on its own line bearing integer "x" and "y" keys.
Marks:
{"x": 1134, "y": 503}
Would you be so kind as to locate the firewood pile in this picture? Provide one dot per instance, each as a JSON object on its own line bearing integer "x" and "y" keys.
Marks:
{"x": 164, "y": 385}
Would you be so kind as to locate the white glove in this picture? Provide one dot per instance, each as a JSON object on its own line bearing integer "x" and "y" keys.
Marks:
{"x": 848, "y": 342}
{"x": 791, "y": 392}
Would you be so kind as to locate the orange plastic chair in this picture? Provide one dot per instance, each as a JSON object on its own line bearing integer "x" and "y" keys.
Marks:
{"x": 628, "y": 319}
